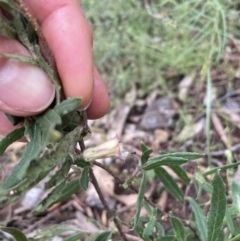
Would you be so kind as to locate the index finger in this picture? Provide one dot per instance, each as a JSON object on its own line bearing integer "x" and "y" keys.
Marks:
{"x": 70, "y": 39}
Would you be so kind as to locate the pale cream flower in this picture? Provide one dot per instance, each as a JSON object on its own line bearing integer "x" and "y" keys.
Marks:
{"x": 107, "y": 149}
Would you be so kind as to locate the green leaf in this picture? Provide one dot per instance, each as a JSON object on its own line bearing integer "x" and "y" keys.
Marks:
{"x": 181, "y": 174}
{"x": 149, "y": 229}
{"x": 32, "y": 151}
{"x": 16, "y": 233}
{"x": 148, "y": 208}
{"x": 47, "y": 122}
{"x": 49, "y": 200}
{"x": 39, "y": 168}
{"x": 100, "y": 237}
{"x": 217, "y": 208}
{"x": 160, "y": 229}
{"x": 67, "y": 106}
{"x": 10, "y": 138}
{"x": 157, "y": 161}
{"x": 145, "y": 153}
{"x": 201, "y": 225}
{"x": 167, "y": 238}
{"x": 236, "y": 238}
{"x": 230, "y": 222}
{"x": 140, "y": 199}
{"x": 221, "y": 168}
{"x": 235, "y": 191}
{"x": 47, "y": 234}
{"x": 69, "y": 189}
{"x": 169, "y": 183}
{"x": 104, "y": 236}
{"x": 84, "y": 178}
{"x": 81, "y": 163}
{"x": 186, "y": 155}
{"x": 60, "y": 175}
{"x": 75, "y": 237}
{"x": 178, "y": 228}
{"x": 202, "y": 184}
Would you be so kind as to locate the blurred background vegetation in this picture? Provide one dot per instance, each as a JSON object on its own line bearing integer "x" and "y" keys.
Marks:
{"x": 155, "y": 43}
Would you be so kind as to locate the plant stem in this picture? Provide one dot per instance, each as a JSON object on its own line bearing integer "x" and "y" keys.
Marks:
{"x": 47, "y": 51}
{"x": 111, "y": 214}
{"x": 122, "y": 182}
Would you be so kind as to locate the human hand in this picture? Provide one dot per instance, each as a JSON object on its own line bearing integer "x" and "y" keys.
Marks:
{"x": 25, "y": 89}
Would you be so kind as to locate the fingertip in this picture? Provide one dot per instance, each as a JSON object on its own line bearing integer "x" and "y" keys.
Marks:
{"x": 100, "y": 101}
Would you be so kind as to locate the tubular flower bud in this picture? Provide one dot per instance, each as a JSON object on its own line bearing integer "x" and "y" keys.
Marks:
{"x": 107, "y": 149}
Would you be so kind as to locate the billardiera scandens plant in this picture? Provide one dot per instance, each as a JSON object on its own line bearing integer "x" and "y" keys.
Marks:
{"x": 107, "y": 149}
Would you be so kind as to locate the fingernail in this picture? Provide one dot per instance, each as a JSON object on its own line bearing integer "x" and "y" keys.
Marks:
{"x": 24, "y": 88}
{"x": 85, "y": 107}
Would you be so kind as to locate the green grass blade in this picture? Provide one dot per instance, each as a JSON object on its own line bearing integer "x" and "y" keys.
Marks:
{"x": 169, "y": 183}
{"x": 217, "y": 208}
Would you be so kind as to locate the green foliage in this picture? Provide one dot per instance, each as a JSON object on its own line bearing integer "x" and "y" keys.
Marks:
{"x": 84, "y": 178}
{"x": 52, "y": 136}
{"x": 17, "y": 234}
{"x": 143, "y": 47}
{"x": 217, "y": 208}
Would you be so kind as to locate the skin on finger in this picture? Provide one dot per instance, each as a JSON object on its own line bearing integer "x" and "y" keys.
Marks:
{"x": 6, "y": 126}
{"x": 70, "y": 39}
{"x": 100, "y": 103}
{"x": 25, "y": 89}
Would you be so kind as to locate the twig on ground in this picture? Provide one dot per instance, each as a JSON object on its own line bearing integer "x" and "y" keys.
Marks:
{"x": 222, "y": 152}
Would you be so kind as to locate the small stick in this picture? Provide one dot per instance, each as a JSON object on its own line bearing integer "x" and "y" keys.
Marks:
{"x": 121, "y": 181}
{"x": 110, "y": 213}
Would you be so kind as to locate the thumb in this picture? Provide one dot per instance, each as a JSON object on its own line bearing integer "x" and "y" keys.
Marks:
{"x": 24, "y": 88}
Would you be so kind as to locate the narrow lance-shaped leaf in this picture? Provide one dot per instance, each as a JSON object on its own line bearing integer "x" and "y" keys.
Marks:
{"x": 149, "y": 228}
{"x": 84, "y": 178}
{"x": 178, "y": 228}
{"x": 201, "y": 224}
{"x": 145, "y": 153}
{"x": 186, "y": 155}
{"x": 39, "y": 168}
{"x": 75, "y": 237}
{"x": 49, "y": 200}
{"x": 69, "y": 189}
{"x": 47, "y": 234}
{"x": 181, "y": 174}
{"x": 217, "y": 208}
{"x": 157, "y": 161}
{"x": 16, "y": 233}
{"x": 106, "y": 236}
{"x": 67, "y": 106}
{"x": 169, "y": 183}
{"x": 10, "y": 138}
{"x": 235, "y": 191}
{"x": 140, "y": 199}
{"x": 60, "y": 175}
{"x": 32, "y": 151}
